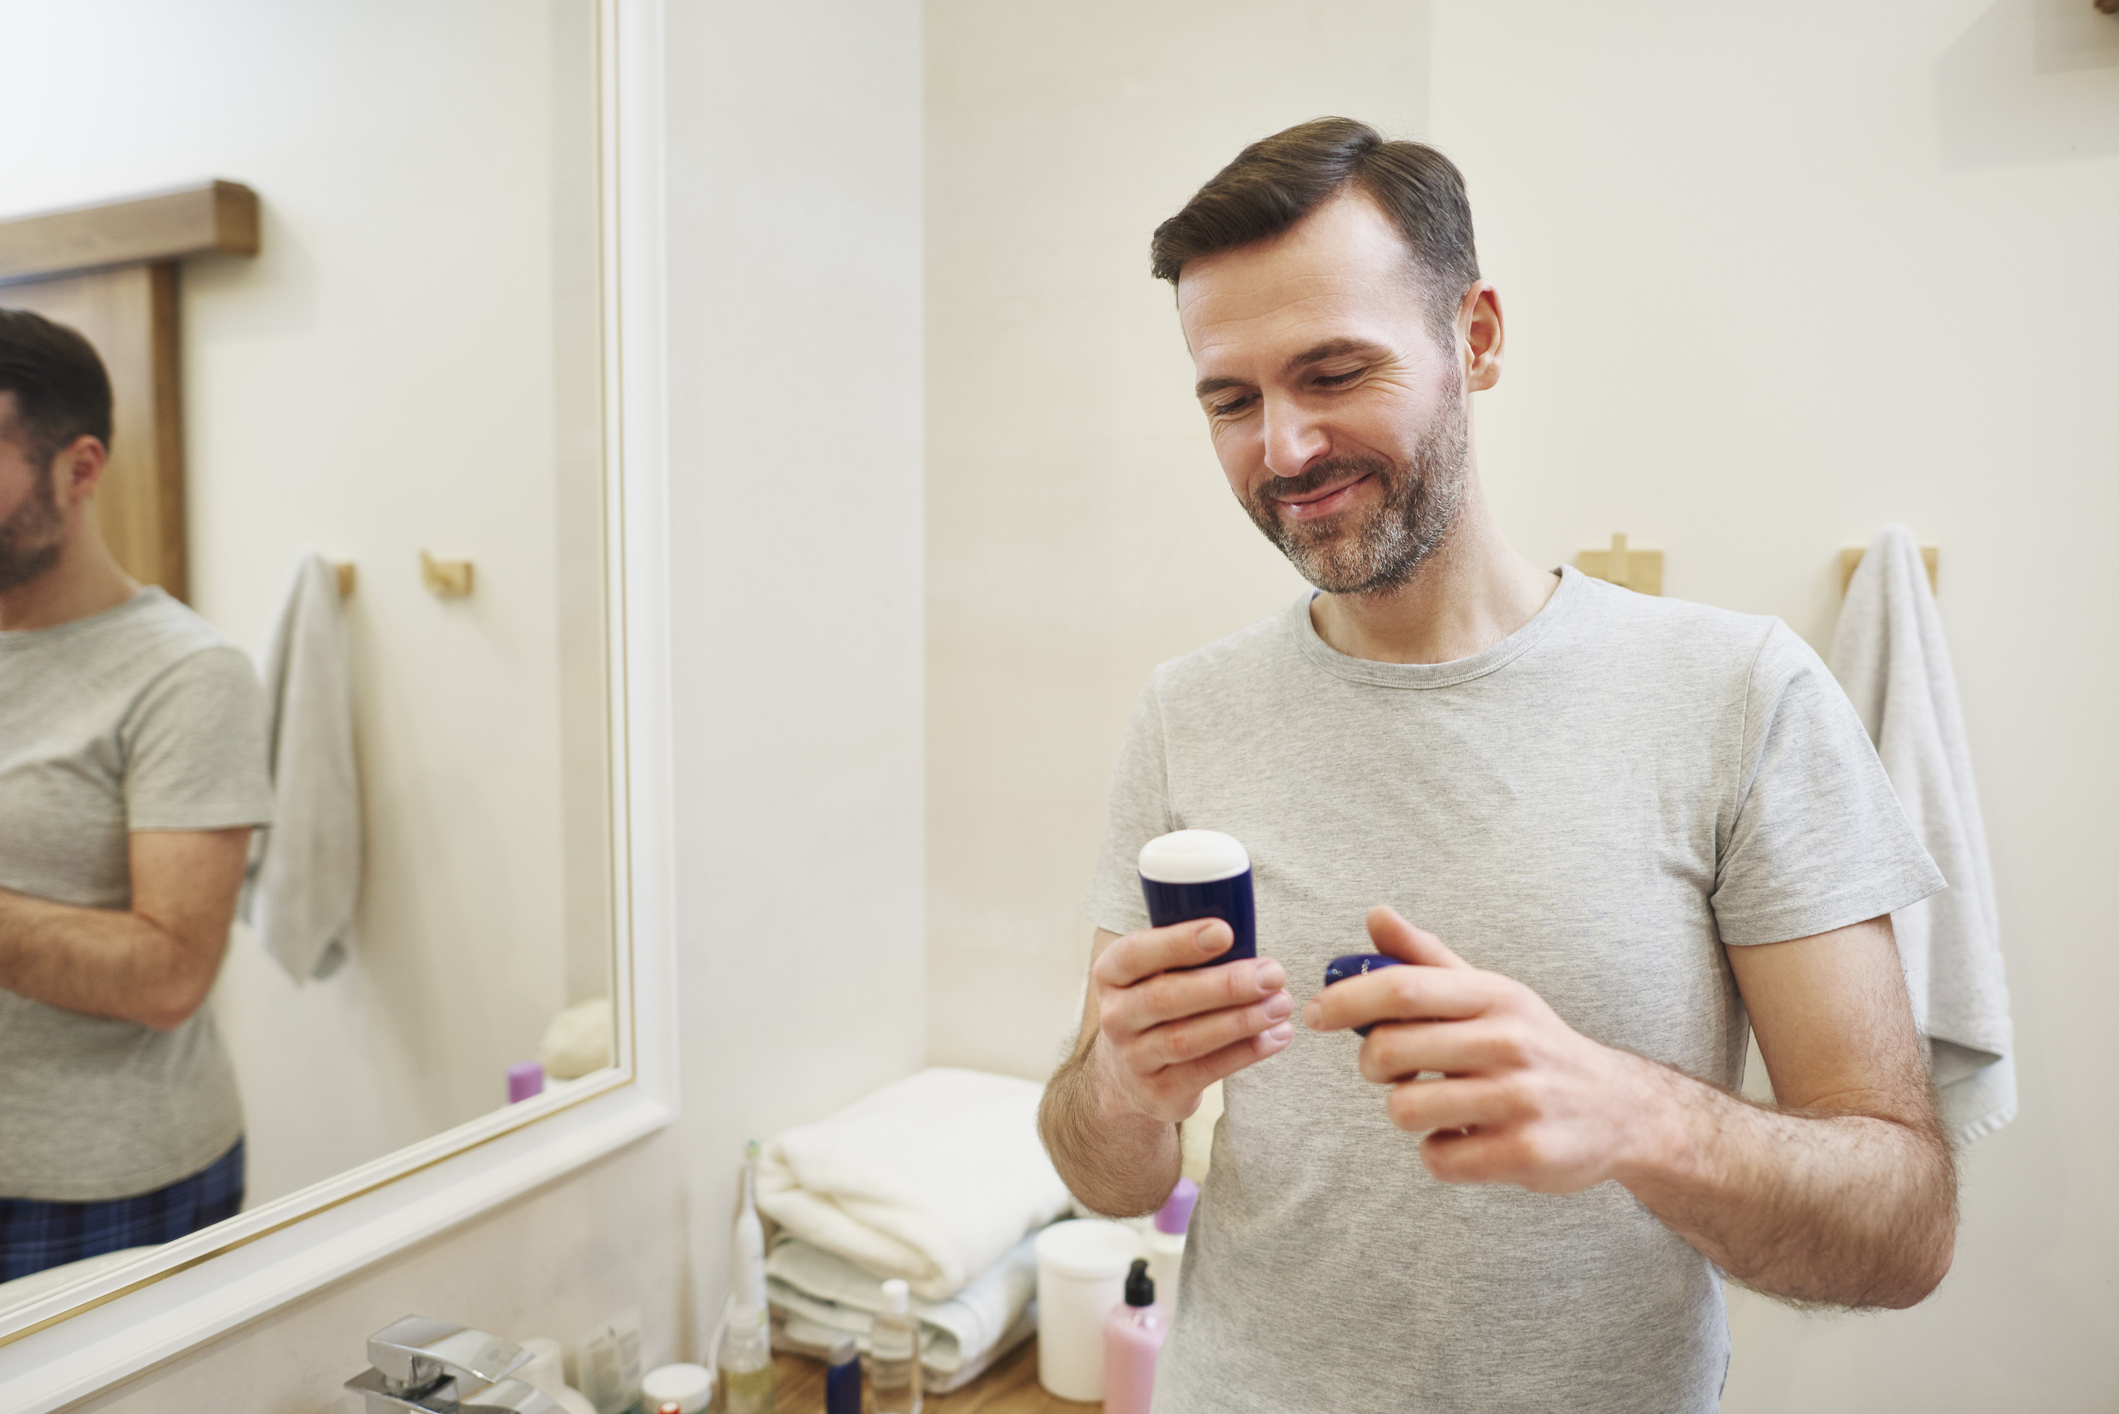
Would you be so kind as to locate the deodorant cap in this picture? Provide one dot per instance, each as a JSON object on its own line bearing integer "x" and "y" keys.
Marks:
{"x": 1193, "y": 857}
{"x": 897, "y": 1297}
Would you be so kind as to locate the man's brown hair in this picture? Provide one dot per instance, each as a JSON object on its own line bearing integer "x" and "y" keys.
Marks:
{"x": 1277, "y": 181}
{"x": 61, "y": 389}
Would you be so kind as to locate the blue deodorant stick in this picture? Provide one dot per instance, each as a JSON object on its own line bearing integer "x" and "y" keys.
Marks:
{"x": 1353, "y": 965}
{"x": 1201, "y": 874}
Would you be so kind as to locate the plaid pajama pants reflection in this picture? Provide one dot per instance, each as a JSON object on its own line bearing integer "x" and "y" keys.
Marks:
{"x": 35, "y": 1234}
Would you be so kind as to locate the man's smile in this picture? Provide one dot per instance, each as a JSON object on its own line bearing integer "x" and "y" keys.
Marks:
{"x": 1319, "y": 504}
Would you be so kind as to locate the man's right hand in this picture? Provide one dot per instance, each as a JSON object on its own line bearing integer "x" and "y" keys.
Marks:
{"x": 1168, "y": 1035}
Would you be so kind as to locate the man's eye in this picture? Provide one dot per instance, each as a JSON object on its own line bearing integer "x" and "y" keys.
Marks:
{"x": 1335, "y": 380}
{"x": 1228, "y": 409}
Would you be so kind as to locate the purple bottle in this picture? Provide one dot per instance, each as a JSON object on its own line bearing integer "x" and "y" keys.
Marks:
{"x": 1200, "y": 874}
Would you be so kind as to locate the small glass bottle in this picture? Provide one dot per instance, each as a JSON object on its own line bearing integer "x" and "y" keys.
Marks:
{"x": 894, "y": 1353}
{"x": 746, "y": 1360}
{"x": 1133, "y": 1337}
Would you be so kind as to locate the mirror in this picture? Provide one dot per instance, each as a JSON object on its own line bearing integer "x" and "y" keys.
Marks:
{"x": 407, "y": 376}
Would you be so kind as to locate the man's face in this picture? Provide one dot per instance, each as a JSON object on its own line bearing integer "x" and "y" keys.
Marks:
{"x": 1337, "y": 415}
{"x": 32, "y": 527}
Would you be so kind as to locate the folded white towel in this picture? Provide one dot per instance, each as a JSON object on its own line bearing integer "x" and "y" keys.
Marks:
{"x": 1888, "y": 653}
{"x": 818, "y": 1296}
{"x": 932, "y": 1179}
{"x": 305, "y": 870}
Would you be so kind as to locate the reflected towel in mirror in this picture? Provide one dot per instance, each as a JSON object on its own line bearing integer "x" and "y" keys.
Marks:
{"x": 305, "y": 870}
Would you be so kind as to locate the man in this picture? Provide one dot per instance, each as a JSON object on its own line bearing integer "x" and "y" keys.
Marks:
{"x": 132, "y": 768}
{"x": 1619, "y": 823}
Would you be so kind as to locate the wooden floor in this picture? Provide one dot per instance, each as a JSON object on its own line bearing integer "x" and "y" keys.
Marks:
{"x": 1010, "y": 1387}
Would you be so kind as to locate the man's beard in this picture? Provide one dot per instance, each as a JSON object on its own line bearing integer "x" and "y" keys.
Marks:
{"x": 1389, "y": 543}
{"x": 31, "y": 538}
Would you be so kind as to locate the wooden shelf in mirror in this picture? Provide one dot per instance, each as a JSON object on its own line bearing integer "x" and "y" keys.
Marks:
{"x": 110, "y": 271}
{"x": 209, "y": 218}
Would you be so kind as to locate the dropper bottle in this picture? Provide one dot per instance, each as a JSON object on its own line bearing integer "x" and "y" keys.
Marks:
{"x": 1133, "y": 1337}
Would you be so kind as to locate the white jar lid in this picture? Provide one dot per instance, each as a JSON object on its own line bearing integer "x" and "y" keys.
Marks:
{"x": 1088, "y": 1249}
{"x": 689, "y": 1387}
{"x": 1193, "y": 857}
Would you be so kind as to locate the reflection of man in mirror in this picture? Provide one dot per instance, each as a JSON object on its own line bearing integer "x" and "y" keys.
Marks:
{"x": 1622, "y": 825}
{"x": 132, "y": 768}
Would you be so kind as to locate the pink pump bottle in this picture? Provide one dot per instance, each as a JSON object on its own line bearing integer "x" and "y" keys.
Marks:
{"x": 1133, "y": 1337}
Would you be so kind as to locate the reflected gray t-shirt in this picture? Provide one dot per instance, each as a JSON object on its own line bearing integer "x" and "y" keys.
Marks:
{"x": 1594, "y": 807}
{"x": 140, "y": 718}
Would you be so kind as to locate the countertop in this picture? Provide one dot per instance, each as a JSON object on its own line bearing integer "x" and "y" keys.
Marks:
{"x": 1010, "y": 1387}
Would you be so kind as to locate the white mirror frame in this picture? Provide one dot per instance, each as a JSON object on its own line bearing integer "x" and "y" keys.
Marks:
{"x": 88, "y": 1336}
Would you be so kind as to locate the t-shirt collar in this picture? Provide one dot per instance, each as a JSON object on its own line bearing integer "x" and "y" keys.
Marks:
{"x": 1457, "y": 670}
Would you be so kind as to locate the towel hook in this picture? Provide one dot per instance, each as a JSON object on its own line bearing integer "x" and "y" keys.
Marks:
{"x": 446, "y": 579}
{"x": 1638, "y": 570}
{"x": 1850, "y": 560}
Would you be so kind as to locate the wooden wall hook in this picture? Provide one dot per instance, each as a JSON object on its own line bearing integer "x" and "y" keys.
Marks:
{"x": 447, "y": 579}
{"x": 1638, "y": 570}
{"x": 1850, "y": 560}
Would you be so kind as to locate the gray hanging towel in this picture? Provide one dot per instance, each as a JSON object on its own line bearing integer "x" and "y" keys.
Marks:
{"x": 305, "y": 871}
{"x": 1888, "y": 653}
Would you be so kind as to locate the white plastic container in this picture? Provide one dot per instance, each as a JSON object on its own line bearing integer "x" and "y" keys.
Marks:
{"x": 1081, "y": 1275}
{"x": 689, "y": 1387}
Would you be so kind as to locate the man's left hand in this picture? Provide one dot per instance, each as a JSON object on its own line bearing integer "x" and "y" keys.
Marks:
{"x": 1522, "y": 1097}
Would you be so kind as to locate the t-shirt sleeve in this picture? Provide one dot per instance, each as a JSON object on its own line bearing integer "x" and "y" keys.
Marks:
{"x": 1817, "y": 839}
{"x": 1139, "y": 811}
{"x": 195, "y": 749}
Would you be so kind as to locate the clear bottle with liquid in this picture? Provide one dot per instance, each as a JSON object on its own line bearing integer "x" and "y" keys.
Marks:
{"x": 894, "y": 1353}
{"x": 746, "y": 1361}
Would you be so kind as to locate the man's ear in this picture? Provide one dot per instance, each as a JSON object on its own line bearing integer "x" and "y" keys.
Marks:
{"x": 78, "y": 469}
{"x": 1479, "y": 335}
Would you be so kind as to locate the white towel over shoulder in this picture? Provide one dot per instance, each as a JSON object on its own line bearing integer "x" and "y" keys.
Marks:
{"x": 932, "y": 1179}
{"x": 1888, "y": 653}
{"x": 305, "y": 871}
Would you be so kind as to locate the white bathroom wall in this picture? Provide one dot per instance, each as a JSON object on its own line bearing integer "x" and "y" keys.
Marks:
{"x": 1776, "y": 276}
{"x": 1078, "y": 529}
{"x": 794, "y": 316}
{"x": 409, "y": 363}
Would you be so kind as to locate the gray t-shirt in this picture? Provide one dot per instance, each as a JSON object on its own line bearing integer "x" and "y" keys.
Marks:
{"x": 1594, "y": 807}
{"x": 141, "y": 718}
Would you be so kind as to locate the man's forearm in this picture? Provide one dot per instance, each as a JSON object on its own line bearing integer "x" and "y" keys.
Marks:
{"x": 1116, "y": 1160}
{"x": 1845, "y": 1207}
{"x": 102, "y": 961}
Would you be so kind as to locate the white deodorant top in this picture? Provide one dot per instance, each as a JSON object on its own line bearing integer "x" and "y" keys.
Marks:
{"x": 1193, "y": 857}
{"x": 897, "y": 1297}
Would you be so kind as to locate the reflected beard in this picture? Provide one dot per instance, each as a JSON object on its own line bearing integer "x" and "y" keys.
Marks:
{"x": 1386, "y": 545}
{"x": 31, "y": 538}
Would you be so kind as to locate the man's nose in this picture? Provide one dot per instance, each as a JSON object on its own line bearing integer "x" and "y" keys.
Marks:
{"x": 1293, "y": 438}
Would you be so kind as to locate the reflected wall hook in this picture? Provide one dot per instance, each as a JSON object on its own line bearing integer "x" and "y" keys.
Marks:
{"x": 1638, "y": 570}
{"x": 447, "y": 579}
{"x": 348, "y": 577}
{"x": 1850, "y": 560}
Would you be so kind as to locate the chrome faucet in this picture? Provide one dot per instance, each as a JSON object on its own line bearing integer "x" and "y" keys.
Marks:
{"x": 432, "y": 1367}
